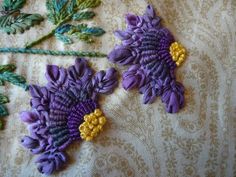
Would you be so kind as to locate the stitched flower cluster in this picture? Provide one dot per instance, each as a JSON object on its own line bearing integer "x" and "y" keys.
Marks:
{"x": 153, "y": 54}
{"x": 65, "y": 110}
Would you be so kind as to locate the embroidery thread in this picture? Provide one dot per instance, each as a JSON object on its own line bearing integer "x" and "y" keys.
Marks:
{"x": 60, "y": 12}
{"x": 7, "y": 75}
{"x": 64, "y": 111}
{"x": 153, "y": 54}
{"x": 13, "y": 21}
{"x": 52, "y": 52}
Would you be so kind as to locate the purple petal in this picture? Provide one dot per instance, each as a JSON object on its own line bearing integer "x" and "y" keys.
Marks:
{"x": 123, "y": 35}
{"x": 123, "y": 56}
{"x": 105, "y": 82}
{"x": 40, "y": 97}
{"x": 52, "y": 73}
{"x": 51, "y": 161}
{"x": 132, "y": 19}
{"x": 134, "y": 77}
{"x": 56, "y": 77}
{"x": 150, "y": 11}
{"x": 47, "y": 167}
{"x": 29, "y": 142}
{"x": 80, "y": 72}
{"x": 173, "y": 97}
{"x": 29, "y": 117}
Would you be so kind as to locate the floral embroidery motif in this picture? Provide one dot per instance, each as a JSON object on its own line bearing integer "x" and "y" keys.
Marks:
{"x": 7, "y": 75}
{"x": 153, "y": 54}
{"x": 60, "y": 12}
{"x": 13, "y": 21}
{"x": 65, "y": 110}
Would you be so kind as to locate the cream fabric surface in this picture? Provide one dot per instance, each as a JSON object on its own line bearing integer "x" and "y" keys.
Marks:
{"x": 142, "y": 140}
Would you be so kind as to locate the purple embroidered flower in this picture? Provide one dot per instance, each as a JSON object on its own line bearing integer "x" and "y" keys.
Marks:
{"x": 153, "y": 54}
{"x": 65, "y": 110}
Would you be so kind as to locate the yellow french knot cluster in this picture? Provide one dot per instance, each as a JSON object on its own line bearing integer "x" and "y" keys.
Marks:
{"x": 92, "y": 125}
{"x": 177, "y": 52}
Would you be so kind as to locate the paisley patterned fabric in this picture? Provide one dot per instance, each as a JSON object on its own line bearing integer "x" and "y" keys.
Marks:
{"x": 142, "y": 140}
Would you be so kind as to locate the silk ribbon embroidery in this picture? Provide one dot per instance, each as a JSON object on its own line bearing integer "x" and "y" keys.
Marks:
{"x": 153, "y": 54}
{"x": 64, "y": 111}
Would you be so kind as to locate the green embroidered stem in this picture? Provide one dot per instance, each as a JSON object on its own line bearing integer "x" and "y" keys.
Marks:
{"x": 47, "y": 36}
{"x": 52, "y": 52}
{"x": 60, "y": 12}
{"x": 40, "y": 39}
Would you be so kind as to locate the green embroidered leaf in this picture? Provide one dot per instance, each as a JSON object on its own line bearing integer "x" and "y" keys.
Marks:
{"x": 94, "y": 31}
{"x": 81, "y": 31}
{"x": 84, "y": 37}
{"x": 84, "y": 4}
{"x": 83, "y": 15}
{"x": 91, "y": 31}
{"x": 72, "y": 7}
{"x": 14, "y": 79}
{"x": 57, "y": 10}
{"x": 9, "y": 5}
{"x": 1, "y": 125}
{"x": 3, "y": 99}
{"x": 3, "y": 111}
{"x": 63, "y": 38}
{"x": 1, "y": 83}
{"x": 9, "y": 67}
{"x": 19, "y": 22}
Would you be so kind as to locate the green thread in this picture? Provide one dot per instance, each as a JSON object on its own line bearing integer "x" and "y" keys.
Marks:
{"x": 7, "y": 75}
{"x": 14, "y": 79}
{"x": 52, "y": 52}
{"x": 3, "y": 113}
{"x": 61, "y": 11}
{"x": 1, "y": 124}
{"x": 13, "y": 21}
{"x": 39, "y": 40}
{"x": 9, "y": 5}
{"x": 83, "y": 15}
{"x": 3, "y": 99}
{"x": 8, "y": 67}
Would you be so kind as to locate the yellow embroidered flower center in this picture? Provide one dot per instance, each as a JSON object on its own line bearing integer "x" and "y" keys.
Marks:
{"x": 92, "y": 125}
{"x": 177, "y": 52}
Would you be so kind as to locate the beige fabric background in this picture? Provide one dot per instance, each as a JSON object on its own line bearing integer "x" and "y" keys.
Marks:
{"x": 142, "y": 140}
